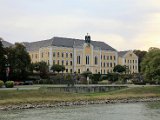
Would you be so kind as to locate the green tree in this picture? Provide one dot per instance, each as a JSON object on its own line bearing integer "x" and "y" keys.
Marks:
{"x": 42, "y": 68}
{"x": 19, "y": 61}
{"x": 150, "y": 65}
{"x": 58, "y": 68}
{"x": 86, "y": 73}
{"x": 141, "y": 55}
{"x": 119, "y": 69}
{"x": 2, "y": 60}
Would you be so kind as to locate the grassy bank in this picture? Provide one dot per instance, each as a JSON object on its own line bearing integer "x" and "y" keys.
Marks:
{"x": 40, "y": 96}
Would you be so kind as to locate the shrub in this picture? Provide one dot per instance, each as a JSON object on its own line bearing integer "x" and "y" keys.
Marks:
{"x": 9, "y": 84}
{"x": 1, "y": 83}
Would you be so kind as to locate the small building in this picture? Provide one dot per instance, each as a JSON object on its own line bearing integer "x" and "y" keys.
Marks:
{"x": 129, "y": 59}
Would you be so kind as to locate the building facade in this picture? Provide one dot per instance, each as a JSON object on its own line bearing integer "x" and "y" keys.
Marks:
{"x": 78, "y": 55}
{"x": 129, "y": 59}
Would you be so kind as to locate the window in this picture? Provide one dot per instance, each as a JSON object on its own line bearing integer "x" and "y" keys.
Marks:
{"x": 130, "y": 61}
{"x": 110, "y": 57}
{"x": 96, "y": 70}
{"x": 101, "y": 57}
{"x": 48, "y": 62}
{"x": 78, "y": 60}
{"x": 114, "y": 57}
{"x": 71, "y": 63}
{"x": 133, "y": 66}
{"x": 107, "y": 57}
{"x": 87, "y": 69}
{"x": 70, "y": 70}
{"x": 79, "y": 71}
{"x": 54, "y": 54}
{"x": 58, "y": 54}
{"x": 110, "y": 64}
{"x": 107, "y": 64}
{"x": 66, "y": 62}
{"x": 42, "y": 54}
{"x": 62, "y": 55}
{"x": 136, "y": 67}
{"x": 53, "y": 62}
{"x": 70, "y": 55}
{"x": 114, "y": 64}
{"x": 101, "y": 64}
{"x": 104, "y": 71}
{"x": 104, "y": 57}
{"x": 133, "y": 61}
{"x": 62, "y": 62}
{"x": 125, "y": 60}
{"x": 36, "y": 56}
{"x": 96, "y": 60}
{"x": 58, "y": 62}
{"x": 104, "y": 64}
{"x": 66, "y": 55}
{"x": 101, "y": 71}
{"x": 48, "y": 54}
{"x": 66, "y": 70}
{"x": 87, "y": 60}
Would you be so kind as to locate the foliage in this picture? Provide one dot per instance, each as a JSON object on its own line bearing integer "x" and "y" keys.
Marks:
{"x": 96, "y": 78}
{"x": 9, "y": 84}
{"x": 86, "y": 73}
{"x": 42, "y": 68}
{"x": 19, "y": 61}
{"x": 141, "y": 55}
{"x": 112, "y": 77}
{"x": 150, "y": 65}
{"x": 119, "y": 69}
{"x": 58, "y": 68}
{"x": 2, "y": 60}
{"x": 69, "y": 80}
{"x": 1, "y": 83}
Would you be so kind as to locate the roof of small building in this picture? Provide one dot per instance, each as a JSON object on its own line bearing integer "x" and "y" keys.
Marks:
{"x": 6, "y": 44}
{"x": 64, "y": 42}
{"x": 122, "y": 53}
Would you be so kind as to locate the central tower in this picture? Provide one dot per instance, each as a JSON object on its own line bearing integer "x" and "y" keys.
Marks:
{"x": 88, "y": 39}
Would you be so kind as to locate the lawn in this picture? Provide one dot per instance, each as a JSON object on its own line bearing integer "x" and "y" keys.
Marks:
{"x": 10, "y": 97}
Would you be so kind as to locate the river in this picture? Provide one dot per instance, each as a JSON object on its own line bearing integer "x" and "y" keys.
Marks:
{"x": 130, "y": 111}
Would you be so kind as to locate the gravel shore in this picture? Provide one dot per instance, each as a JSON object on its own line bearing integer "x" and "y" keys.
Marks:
{"x": 77, "y": 103}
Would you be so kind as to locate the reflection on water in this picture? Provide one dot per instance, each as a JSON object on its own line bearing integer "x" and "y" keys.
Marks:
{"x": 132, "y": 111}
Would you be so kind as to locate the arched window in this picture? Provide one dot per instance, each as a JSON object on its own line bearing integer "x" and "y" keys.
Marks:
{"x": 96, "y": 60}
{"x": 70, "y": 55}
{"x": 66, "y": 55}
{"x": 87, "y": 60}
{"x": 78, "y": 60}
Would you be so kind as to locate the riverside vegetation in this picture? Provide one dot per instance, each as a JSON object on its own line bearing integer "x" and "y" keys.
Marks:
{"x": 32, "y": 98}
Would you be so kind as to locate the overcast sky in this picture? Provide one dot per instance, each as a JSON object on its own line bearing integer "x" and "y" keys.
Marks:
{"x": 123, "y": 24}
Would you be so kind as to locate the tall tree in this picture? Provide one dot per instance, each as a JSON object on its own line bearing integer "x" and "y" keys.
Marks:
{"x": 19, "y": 61}
{"x": 58, "y": 68}
{"x": 141, "y": 55}
{"x": 119, "y": 69}
{"x": 2, "y": 60}
{"x": 42, "y": 68}
{"x": 150, "y": 65}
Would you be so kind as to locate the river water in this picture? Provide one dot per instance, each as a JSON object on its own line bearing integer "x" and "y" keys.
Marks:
{"x": 130, "y": 111}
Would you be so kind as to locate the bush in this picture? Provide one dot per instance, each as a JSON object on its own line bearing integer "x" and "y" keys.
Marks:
{"x": 9, "y": 84}
{"x": 1, "y": 83}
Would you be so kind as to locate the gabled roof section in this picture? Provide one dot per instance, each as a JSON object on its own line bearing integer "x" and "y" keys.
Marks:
{"x": 122, "y": 53}
{"x": 31, "y": 46}
{"x": 65, "y": 42}
{"x": 6, "y": 44}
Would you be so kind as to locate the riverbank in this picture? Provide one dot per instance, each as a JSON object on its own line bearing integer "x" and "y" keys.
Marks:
{"x": 27, "y": 99}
